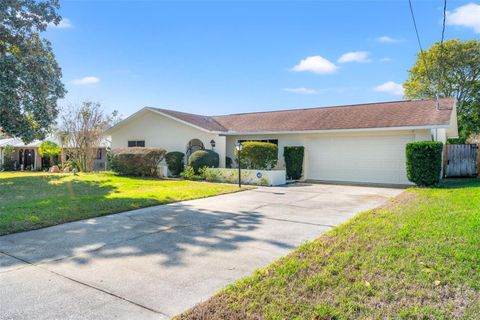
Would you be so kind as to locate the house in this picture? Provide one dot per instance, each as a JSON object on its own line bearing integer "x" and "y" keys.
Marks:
{"x": 26, "y": 156}
{"x": 352, "y": 143}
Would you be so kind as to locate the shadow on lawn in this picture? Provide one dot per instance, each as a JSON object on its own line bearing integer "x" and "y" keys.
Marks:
{"x": 168, "y": 234}
{"x": 455, "y": 183}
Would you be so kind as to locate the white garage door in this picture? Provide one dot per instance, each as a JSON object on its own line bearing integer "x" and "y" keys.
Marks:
{"x": 377, "y": 159}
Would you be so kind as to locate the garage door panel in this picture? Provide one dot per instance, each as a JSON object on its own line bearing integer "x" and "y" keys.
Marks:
{"x": 379, "y": 159}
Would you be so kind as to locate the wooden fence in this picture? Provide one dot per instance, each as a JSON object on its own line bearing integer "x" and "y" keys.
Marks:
{"x": 461, "y": 160}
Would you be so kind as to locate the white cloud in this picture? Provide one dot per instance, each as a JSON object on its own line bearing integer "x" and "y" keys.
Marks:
{"x": 315, "y": 64}
{"x": 301, "y": 90}
{"x": 387, "y": 39}
{"x": 86, "y": 81}
{"x": 386, "y": 59}
{"x": 390, "y": 87}
{"x": 466, "y": 16}
{"x": 63, "y": 24}
{"x": 355, "y": 56}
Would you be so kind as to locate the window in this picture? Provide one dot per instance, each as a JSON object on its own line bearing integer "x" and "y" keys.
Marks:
{"x": 99, "y": 154}
{"x": 274, "y": 141}
{"x": 136, "y": 143}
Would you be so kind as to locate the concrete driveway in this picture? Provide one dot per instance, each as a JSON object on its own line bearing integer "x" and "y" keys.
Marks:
{"x": 156, "y": 262}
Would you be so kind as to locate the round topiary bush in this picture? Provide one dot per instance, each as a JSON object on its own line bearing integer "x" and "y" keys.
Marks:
{"x": 424, "y": 162}
{"x": 175, "y": 162}
{"x": 258, "y": 155}
{"x": 203, "y": 158}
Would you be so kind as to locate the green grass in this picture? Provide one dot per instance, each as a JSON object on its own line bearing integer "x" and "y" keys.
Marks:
{"x": 416, "y": 258}
{"x": 35, "y": 200}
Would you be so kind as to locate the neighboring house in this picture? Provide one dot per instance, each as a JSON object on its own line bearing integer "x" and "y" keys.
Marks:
{"x": 28, "y": 158}
{"x": 354, "y": 143}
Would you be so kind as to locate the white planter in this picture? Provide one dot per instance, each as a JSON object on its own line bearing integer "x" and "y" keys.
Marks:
{"x": 162, "y": 171}
{"x": 255, "y": 177}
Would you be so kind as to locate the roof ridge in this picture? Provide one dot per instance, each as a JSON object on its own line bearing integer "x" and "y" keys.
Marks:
{"x": 327, "y": 107}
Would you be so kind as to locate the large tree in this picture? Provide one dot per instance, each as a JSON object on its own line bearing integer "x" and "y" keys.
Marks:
{"x": 30, "y": 78}
{"x": 451, "y": 70}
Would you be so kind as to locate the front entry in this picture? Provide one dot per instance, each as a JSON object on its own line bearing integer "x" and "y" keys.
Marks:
{"x": 27, "y": 159}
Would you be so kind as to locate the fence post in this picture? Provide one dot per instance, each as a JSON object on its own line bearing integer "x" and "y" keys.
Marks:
{"x": 444, "y": 161}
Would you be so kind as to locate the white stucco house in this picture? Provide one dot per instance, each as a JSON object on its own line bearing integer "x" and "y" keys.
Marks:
{"x": 353, "y": 143}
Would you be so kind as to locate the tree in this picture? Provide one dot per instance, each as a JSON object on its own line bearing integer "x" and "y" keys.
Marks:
{"x": 82, "y": 130}
{"x": 451, "y": 71}
{"x": 49, "y": 149}
{"x": 30, "y": 78}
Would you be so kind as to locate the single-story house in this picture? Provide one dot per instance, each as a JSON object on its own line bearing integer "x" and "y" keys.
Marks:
{"x": 26, "y": 156}
{"x": 352, "y": 143}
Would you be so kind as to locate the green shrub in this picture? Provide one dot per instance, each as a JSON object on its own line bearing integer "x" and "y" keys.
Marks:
{"x": 258, "y": 155}
{"x": 424, "y": 162}
{"x": 209, "y": 174}
{"x": 203, "y": 158}
{"x": 456, "y": 140}
{"x": 189, "y": 174}
{"x": 8, "y": 160}
{"x": 175, "y": 162}
{"x": 49, "y": 149}
{"x": 137, "y": 161}
{"x": 294, "y": 161}
{"x": 228, "y": 162}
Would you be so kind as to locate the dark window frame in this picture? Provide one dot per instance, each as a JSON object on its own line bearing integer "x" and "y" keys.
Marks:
{"x": 136, "y": 143}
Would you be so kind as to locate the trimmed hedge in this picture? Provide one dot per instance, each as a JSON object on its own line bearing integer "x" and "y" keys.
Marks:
{"x": 293, "y": 161}
{"x": 258, "y": 155}
{"x": 137, "y": 161}
{"x": 228, "y": 162}
{"x": 424, "y": 162}
{"x": 456, "y": 141}
{"x": 175, "y": 162}
{"x": 203, "y": 158}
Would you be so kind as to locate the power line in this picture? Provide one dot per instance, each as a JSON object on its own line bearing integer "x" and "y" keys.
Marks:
{"x": 440, "y": 58}
{"x": 444, "y": 21}
{"x": 422, "y": 53}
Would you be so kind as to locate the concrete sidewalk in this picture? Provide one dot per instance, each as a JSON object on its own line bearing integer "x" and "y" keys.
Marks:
{"x": 156, "y": 262}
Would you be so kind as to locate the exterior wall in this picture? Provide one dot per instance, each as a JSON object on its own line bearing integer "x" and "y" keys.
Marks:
{"x": 302, "y": 140}
{"x": 284, "y": 140}
{"x": 161, "y": 132}
{"x": 452, "y": 131}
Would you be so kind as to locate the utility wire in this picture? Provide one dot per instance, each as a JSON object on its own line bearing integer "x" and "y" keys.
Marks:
{"x": 422, "y": 53}
{"x": 440, "y": 58}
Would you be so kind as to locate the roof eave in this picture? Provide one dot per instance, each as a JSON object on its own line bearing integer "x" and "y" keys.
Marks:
{"x": 425, "y": 127}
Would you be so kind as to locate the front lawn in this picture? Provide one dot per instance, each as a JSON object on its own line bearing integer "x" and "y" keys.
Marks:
{"x": 416, "y": 258}
{"x": 35, "y": 200}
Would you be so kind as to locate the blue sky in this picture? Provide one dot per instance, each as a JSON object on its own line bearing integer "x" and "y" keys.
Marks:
{"x": 224, "y": 57}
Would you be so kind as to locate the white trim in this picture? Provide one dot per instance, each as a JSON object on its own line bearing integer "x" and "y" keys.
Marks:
{"x": 184, "y": 122}
{"x": 138, "y": 113}
{"x": 240, "y": 133}
{"x": 124, "y": 121}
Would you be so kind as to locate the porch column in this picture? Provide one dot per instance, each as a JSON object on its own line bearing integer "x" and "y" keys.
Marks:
{"x": 221, "y": 149}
